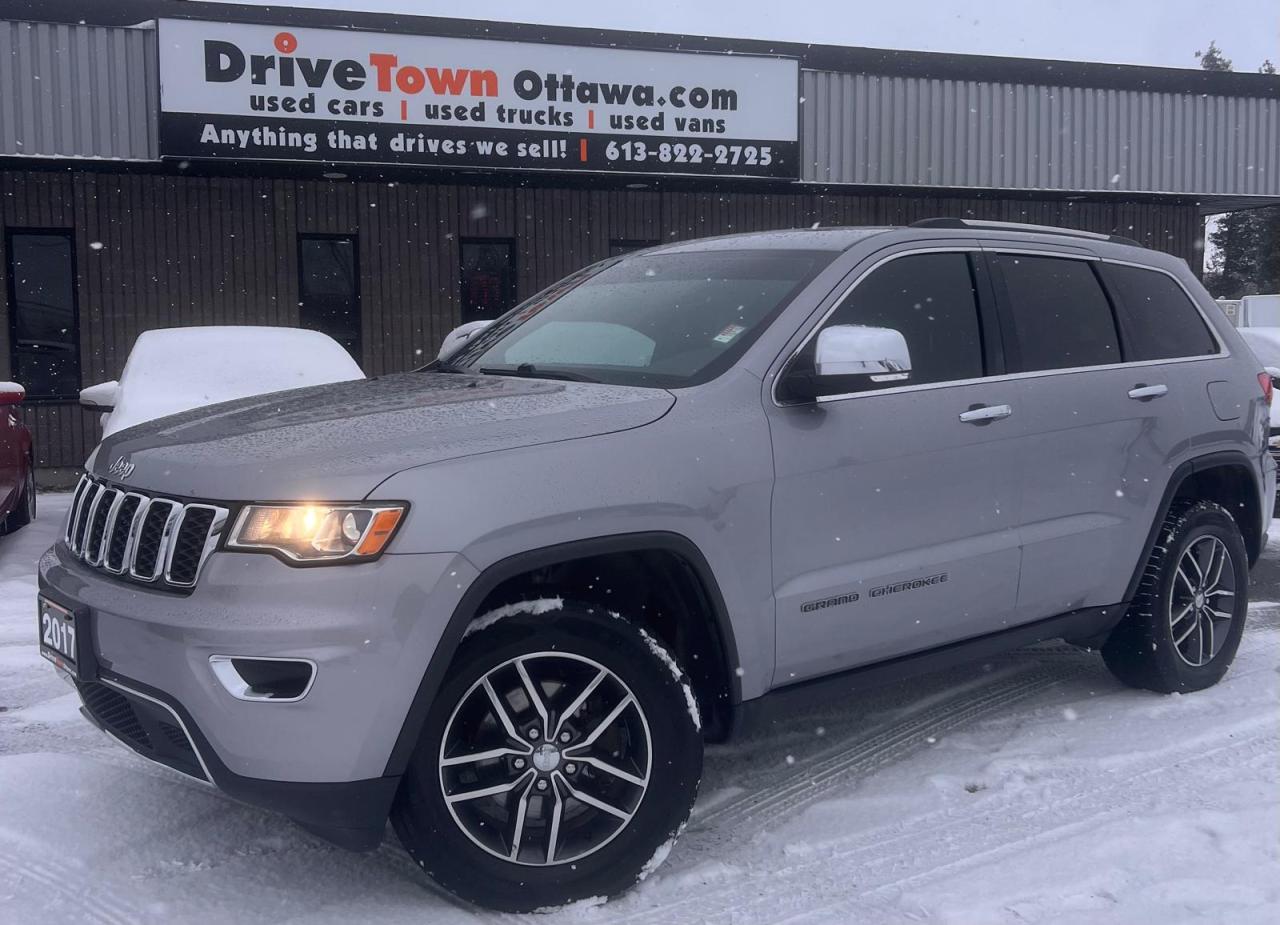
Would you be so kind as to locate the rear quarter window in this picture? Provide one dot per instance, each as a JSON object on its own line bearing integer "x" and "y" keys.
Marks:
{"x": 1158, "y": 320}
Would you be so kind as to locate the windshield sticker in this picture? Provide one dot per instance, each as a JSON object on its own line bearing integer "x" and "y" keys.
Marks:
{"x": 729, "y": 333}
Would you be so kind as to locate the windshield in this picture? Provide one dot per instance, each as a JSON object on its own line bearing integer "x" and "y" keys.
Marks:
{"x": 664, "y": 319}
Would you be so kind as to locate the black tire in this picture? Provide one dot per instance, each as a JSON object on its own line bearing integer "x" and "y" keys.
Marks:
{"x": 557, "y": 640}
{"x": 1144, "y": 649}
{"x": 25, "y": 511}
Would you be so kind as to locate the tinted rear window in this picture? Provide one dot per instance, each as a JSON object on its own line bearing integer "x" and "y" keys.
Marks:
{"x": 1157, "y": 316}
{"x": 1061, "y": 316}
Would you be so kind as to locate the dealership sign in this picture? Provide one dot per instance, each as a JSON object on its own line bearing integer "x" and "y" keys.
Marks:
{"x": 256, "y": 92}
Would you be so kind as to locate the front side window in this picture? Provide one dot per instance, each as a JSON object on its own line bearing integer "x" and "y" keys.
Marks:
{"x": 665, "y": 319}
{"x": 931, "y": 300}
{"x": 1159, "y": 320}
{"x": 330, "y": 289}
{"x": 1061, "y": 316}
{"x": 44, "y": 341}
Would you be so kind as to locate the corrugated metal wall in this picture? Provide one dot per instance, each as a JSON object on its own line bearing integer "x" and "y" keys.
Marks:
{"x": 861, "y": 128}
{"x": 78, "y": 91}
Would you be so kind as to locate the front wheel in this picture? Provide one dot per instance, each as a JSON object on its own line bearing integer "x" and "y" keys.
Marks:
{"x": 1183, "y": 628}
{"x": 559, "y": 761}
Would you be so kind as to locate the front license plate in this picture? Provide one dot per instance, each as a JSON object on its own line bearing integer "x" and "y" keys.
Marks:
{"x": 58, "y": 636}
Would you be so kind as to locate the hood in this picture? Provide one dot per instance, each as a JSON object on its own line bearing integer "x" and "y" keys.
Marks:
{"x": 337, "y": 442}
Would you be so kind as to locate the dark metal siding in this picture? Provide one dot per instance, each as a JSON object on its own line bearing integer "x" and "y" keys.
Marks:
{"x": 178, "y": 250}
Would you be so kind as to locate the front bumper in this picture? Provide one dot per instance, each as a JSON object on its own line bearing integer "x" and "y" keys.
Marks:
{"x": 370, "y": 629}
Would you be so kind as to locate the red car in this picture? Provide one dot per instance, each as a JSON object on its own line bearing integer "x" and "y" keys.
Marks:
{"x": 17, "y": 462}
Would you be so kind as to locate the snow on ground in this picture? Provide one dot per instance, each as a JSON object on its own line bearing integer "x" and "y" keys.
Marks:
{"x": 1030, "y": 789}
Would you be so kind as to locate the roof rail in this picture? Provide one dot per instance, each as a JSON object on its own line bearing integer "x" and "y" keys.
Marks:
{"x": 982, "y": 225}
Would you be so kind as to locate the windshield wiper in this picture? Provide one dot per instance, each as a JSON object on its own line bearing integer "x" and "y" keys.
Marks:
{"x": 529, "y": 371}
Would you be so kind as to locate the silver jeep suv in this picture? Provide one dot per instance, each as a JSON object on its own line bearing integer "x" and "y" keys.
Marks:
{"x": 505, "y": 599}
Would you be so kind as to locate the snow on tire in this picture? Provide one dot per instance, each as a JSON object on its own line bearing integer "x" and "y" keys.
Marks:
{"x": 558, "y": 763}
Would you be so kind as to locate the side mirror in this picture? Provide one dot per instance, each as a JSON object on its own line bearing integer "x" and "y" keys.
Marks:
{"x": 100, "y": 397}
{"x": 849, "y": 358}
{"x": 11, "y": 393}
{"x": 853, "y": 350}
{"x": 454, "y": 340}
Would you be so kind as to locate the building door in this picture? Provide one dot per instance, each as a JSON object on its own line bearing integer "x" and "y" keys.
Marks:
{"x": 329, "y": 287}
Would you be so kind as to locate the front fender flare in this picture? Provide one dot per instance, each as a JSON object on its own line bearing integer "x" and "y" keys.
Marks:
{"x": 500, "y": 571}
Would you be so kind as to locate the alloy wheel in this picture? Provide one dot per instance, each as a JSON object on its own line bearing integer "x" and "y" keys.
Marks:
{"x": 545, "y": 759}
{"x": 1202, "y": 604}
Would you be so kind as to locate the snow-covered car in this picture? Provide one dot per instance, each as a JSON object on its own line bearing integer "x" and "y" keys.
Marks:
{"x": 17, "y": 462}
{"x": 455, "y": 339}
{"x": 171, "y": 370}
{"x": 1265, "y": 344}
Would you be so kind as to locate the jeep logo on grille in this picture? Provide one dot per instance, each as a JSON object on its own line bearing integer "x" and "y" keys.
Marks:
{"x": 120, "y": 469}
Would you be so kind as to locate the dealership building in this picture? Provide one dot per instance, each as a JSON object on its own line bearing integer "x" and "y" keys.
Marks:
{"x": 384, "y": 178}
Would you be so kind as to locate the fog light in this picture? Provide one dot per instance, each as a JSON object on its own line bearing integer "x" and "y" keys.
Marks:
{"x": 282, "y": 680}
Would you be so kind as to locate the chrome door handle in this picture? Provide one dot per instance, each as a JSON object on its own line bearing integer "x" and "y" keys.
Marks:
{"x": 1143, "y": 392}
{"x": 985, "y": 414}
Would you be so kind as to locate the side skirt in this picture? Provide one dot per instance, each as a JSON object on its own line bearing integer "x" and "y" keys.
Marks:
{"x": 1089, "y": 626}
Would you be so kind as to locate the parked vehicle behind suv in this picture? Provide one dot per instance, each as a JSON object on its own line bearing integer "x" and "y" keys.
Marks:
{"x": 17, "y": 462}
{"x": 504, "y": 600}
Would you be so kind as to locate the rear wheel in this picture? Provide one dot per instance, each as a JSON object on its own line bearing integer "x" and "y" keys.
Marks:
{"x": 559, "y": 761}
{"x": 1185, "y": 623}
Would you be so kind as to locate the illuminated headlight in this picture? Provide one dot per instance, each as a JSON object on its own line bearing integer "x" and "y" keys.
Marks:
{"x": 317, "y": 532}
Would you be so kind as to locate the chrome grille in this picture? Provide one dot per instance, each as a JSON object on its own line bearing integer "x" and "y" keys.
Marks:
{"x": 141, "y": 537}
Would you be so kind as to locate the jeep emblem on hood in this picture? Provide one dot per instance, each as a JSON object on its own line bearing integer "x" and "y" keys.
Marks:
{"x": 120, "y": 469}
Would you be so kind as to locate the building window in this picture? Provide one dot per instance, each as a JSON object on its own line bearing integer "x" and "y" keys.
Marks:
{"x": 43, "y": 324}
{"x": 618, "y": 248}
{"x": 329, "y": 288}
{"x": 488, "y": 279}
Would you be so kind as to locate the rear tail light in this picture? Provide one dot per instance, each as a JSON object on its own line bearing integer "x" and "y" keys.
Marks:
{"x": 1264, "y": 380}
